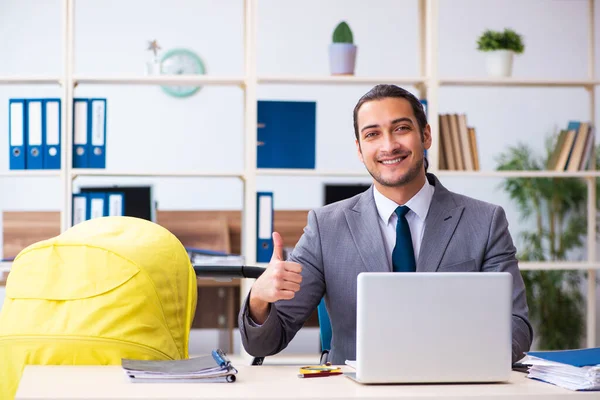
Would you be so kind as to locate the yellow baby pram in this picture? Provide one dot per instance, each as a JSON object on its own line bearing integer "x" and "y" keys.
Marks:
{"x": 105, "y": 289}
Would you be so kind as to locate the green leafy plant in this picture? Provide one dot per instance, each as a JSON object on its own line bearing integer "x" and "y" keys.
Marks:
{"x": 558, "y": 207}
{"x": 343, "y": 33}
{"x": 506, "y": 40}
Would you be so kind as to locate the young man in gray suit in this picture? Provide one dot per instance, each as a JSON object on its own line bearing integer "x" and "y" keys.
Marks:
{"x": 449, "y": 232}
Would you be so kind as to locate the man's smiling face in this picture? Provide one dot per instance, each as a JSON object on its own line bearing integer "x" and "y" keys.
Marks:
{"x": 390, "y": 143}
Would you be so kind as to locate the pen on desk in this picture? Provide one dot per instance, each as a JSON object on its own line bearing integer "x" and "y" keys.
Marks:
{"x": 220, "y": 358}
{"x": 319, "y": 374}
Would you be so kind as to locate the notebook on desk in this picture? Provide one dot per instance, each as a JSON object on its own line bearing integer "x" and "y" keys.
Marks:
{"x": 210, "y": 368}
{"x": 433, "y": 327}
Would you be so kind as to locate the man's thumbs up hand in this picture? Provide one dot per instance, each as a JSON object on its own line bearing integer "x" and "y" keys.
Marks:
{"x": 280, "y": 281}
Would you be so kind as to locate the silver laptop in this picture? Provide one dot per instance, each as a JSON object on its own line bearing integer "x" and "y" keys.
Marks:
{"x": 433, "y": 327}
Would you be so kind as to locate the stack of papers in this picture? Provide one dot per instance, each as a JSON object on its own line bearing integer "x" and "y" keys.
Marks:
{"x": 213, "y": 368}
{"x": 570, "y": 369}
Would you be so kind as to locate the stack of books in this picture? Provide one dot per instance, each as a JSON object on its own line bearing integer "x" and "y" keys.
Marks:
{"x": 211, "y": 368}
{"x": 571, "y": 369}
{"x": 458, "y": 143}
{"x": 574, "y": 150}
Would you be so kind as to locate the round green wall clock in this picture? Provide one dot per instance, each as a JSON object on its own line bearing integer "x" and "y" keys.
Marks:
{"x": 181, "y": 62}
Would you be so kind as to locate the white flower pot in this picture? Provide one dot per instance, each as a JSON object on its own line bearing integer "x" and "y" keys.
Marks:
{"x": 499, "y": 63}
{"x": 342, "y": 58}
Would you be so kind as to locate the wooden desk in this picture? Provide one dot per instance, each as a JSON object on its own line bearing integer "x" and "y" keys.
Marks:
{"x": 263, "y": 382}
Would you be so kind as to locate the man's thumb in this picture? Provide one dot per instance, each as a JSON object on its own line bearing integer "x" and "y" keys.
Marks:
{"x": 277, "y": 247}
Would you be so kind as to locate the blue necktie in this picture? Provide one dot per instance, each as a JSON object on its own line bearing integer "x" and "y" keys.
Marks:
{"x": 403, "y": 256}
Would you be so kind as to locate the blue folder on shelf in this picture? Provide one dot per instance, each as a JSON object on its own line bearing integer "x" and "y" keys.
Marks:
{"x": 51, "y": 133}
{"x": 80, "y": 133}
{"x": 17, "y": 127}
{"x": 264, "y": 226}
{"x": 96, "y": 205}
{"x": 114, "y": 204}
{"x": 97, "y": 133}
{"x": 34, "y": 134}
{"x": 286, "y": 134}
{"x": 80, "y": 208}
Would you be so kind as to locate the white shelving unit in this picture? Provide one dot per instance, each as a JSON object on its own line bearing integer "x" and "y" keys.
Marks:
{"x": 428, "y": 84}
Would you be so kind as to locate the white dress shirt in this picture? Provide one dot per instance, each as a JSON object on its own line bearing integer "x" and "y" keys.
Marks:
{"x": 419, "y": 206}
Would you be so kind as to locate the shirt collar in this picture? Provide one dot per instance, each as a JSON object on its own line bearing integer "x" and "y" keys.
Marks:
{"x": 419, "y": 203}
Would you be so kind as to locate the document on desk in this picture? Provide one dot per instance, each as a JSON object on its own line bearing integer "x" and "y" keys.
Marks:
{"x": 211, "y": 368}
{"x": 570, "y": 369}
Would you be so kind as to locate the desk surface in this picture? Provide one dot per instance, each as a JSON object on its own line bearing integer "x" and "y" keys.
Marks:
{"x": 262, "y": 382}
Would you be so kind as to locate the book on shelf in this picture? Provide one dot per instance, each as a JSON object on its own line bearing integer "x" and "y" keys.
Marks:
{"x": 215, "y": 367}
{"x": 458, "y": 143}
{"x": 574, "y": 148}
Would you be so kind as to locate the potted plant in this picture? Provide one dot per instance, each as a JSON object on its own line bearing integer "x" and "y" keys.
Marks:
{"x": 342, "y": 52}
{"x": 500, "y": 48}
{"x": 558, "y": 206}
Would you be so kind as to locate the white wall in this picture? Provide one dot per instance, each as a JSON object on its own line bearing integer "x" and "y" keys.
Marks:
{"x": 148, "y": 130}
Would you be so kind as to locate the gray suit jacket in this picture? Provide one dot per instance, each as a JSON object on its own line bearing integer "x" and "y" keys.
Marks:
{"x": 343, "y": 239}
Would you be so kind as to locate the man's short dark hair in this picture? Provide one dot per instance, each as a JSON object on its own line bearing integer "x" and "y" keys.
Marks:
{"x": 381, "y": 92}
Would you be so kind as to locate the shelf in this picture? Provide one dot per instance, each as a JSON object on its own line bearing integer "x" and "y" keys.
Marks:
{"x": 340, "y": 79}
{"x": 310, "y": 172}
{"x": 34, "y": 173}
{"x": 516, "y": 82}
{"x": 519, "y": 174}
{"x": 558, "y": 265}
{"x": 440, "y": 173}
{"x": 18, "y": 80}
{"x": 161, "y": 80}
{"x": 76, "y": 172}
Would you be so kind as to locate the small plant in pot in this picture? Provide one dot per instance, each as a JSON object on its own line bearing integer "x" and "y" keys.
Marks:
{"x": 500, "y": 48}
{"x": 342, "y": 52}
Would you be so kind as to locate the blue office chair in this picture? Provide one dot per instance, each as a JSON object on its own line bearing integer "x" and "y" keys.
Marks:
{"x": 324, "y": 330}
{"x": 324, "y": 333}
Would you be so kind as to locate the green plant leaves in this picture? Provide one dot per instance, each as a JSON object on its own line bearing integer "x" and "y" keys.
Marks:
{"x": 506, "y": 40}
{"x": 558, "y": 207}
{"x": 343, "y": 33}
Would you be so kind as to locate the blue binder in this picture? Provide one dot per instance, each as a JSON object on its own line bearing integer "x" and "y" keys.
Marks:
{"x": 17, "y": 127}
{"x": 286, "y": 134}
{"x": 81, "y": 127}
{"x": 97, "y": 138}
{"x": 264, "y": 226}
{"x": 51, "y": 133}
{"x": 115, "y": 204}
{"x": 80, "y": 208}
{"x": 96, "y": 205}
{"x": 34, "y": 134}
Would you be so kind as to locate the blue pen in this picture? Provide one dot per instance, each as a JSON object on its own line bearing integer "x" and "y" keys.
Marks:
{"x": 220, "y": 358}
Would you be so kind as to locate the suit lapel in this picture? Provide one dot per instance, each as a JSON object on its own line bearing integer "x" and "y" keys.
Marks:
{"x": 363, "y": 220}
{"x": 440, "y": 223}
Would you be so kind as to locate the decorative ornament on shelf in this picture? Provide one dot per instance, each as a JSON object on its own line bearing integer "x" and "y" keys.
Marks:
{"x": 181, "y": 62}
{"x": 500, "y": 48}
{"x": 342, "y": 52}
{"x": 153, "y": 66}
